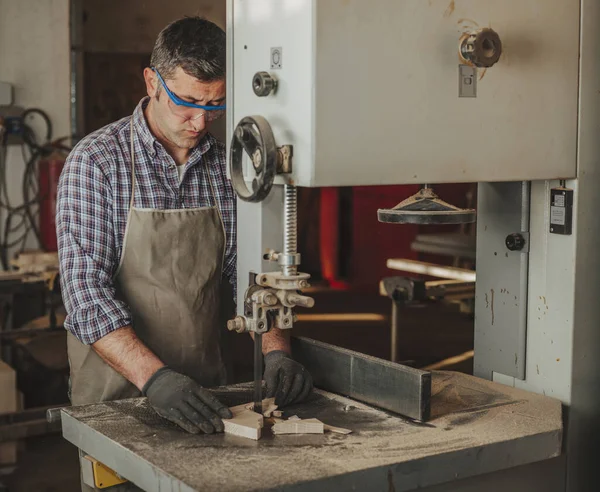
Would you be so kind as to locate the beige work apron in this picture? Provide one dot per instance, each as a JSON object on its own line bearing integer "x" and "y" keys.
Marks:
{"x": 170, "y": 277}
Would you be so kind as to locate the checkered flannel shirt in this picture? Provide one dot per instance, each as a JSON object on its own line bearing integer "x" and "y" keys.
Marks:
{"x": 94, "y": 192}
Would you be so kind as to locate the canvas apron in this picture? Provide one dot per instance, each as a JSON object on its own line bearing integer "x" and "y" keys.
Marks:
{"x": 170, "y": 277}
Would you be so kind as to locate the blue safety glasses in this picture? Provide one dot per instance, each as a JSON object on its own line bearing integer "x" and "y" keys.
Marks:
{"x": 188, "y": 110}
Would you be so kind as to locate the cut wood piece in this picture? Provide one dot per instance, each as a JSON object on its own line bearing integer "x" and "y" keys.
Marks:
{"x": 245, "y": 423}
{"x": 268, "y": 405}
{"x": 307, "y": 426}
{"x": 277, "y": 413}
{"x": 336, "y": 430}
{"x": 269, "y": 408}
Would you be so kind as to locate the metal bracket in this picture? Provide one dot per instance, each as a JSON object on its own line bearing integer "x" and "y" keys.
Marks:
{"x": 98, "y": 475}
{"x": 278, "y": 280}
{"x": 404, "y": 289}
{"x": 284, "y": 159}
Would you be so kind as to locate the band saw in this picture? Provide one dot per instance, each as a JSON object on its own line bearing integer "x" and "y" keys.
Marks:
{"x": 350, "y": 93}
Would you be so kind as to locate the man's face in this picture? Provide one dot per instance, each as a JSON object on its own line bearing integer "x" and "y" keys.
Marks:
{"x": 183, "y": 127}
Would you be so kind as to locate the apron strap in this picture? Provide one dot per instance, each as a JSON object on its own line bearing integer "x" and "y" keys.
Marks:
{"x": 214, "y": 195}
{"x": 212, "y": 189}
{"x": 131, "y": 137}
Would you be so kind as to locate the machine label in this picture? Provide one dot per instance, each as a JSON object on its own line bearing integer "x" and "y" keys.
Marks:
{"x": 467, "y": 81}
{"x": 557, "y": 215}
{"x": 561, "y": 211}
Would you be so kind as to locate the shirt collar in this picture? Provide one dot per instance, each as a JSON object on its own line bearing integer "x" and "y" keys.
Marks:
{"x": 149, "y": 141}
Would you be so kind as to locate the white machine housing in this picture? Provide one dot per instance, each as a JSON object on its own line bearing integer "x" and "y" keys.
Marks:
{"x": 368, "y": 94}
{"x": 368, "y": 91}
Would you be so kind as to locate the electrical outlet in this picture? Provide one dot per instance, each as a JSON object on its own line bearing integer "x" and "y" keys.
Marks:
{"x": 11, "y": 120}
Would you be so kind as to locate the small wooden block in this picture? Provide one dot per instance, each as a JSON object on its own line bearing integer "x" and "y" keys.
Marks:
{"x": 245, "y": 423}
{"x": 277, "y": 413}
{"x": 268, "y": 405}
{"x": 307, "y": 426}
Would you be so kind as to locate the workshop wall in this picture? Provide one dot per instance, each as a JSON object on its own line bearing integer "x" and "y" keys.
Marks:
{"x": 34, "y": 57}
{"x": 118, "y": 38}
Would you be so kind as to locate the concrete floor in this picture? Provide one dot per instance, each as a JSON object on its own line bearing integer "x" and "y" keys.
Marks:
{"x": 428, "y": 334}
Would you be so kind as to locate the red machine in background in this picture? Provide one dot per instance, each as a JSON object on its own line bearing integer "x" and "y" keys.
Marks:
{"x": 49, "y": 169}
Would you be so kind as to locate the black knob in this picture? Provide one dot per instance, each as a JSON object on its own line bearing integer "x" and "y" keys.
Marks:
{"x": 263, "y": 84}
{"x": 515, "y": 242}
{"x": 481, "y": 48}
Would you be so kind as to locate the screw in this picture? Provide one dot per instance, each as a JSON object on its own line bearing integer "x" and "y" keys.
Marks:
{"x": 270, "y": 300}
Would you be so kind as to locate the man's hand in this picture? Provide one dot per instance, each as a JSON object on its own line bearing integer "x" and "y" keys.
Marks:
{"x": 181, "y": 400}
{"x": 287, "y": 380}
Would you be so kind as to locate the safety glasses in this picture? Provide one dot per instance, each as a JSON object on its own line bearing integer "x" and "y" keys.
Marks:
{"x": 188, "y": 110}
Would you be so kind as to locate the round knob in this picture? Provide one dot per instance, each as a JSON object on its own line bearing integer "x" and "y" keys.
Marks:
{"x": 481, "y": 48}
{"x": 254, "y": 136}
{"x": 237, "y": 324}
{"x": 263, "y": 84}
{"x": 515, "y": 242}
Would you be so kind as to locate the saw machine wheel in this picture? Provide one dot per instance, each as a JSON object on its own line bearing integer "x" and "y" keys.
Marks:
{"x": 253, "y": 135}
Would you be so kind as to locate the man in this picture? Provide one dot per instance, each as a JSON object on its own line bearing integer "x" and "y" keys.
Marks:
{"x": 146, "y": 231}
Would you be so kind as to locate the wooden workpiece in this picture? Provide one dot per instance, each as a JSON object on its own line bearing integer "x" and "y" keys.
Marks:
{"x": 306, "y": 426}
{"x": 245, "y": 423}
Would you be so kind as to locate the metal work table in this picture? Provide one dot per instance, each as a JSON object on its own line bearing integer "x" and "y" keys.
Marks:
{"x": 476, "y": 427}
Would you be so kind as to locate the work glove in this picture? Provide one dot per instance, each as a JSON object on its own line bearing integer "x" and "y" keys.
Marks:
{"x": 183, "y": 401}
{"x": 287, "y": 380}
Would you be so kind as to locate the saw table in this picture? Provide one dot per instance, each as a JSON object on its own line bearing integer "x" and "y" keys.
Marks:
{"x": 476, "y": 427}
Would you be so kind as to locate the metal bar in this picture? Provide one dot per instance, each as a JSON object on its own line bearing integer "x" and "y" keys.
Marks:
{"x": 29, "y": 332}
{"x": 400, "y": 389}
{"x": 26, "y": 423}
{"x": 524, "y": 278}
{"x": 431, "y": 269}
{"x": 450, "y": 289}
{"x": 258, "y": 363}
{"x": 394, "y": 332}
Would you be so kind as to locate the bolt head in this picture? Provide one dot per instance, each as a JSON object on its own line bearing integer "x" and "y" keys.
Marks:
{"x": 515, "y": 242}
{"x": 236, "y": 324}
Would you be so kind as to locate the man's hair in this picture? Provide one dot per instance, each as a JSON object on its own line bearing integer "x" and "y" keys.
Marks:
{"x": 194, "y": 44}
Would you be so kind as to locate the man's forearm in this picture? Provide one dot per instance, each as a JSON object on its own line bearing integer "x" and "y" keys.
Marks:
{"x": 126, "y": 354}
{"x": 276, "y": 339}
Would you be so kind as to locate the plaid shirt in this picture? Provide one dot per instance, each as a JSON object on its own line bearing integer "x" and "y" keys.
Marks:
{"x": 94, "y": 192}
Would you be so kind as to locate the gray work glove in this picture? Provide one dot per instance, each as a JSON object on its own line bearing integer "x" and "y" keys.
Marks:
{"x": 183, "y": 401}
{"x": 287, "y": 380}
